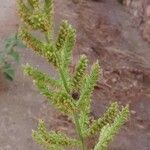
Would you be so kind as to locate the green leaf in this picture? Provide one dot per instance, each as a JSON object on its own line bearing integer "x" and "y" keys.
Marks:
{"x": 13, "y": 41}
{"x": 14, "y": 55}
{"x": 8, "y": 71}
{"x": 19, "y": 43}
{"x": 10, "y": 42}
{"x": 1, "y": 58}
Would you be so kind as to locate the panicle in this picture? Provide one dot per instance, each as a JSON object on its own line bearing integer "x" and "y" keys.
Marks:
{"x": 69, "y": 94}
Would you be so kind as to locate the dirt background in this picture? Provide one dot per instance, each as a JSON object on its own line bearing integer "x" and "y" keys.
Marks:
{"x": 105, "y": 31}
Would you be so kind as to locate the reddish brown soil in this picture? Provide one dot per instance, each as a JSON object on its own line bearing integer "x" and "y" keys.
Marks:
{"x": 105, "y": 31}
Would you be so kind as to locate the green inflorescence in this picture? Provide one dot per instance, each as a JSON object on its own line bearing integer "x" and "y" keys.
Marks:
{"x": 70, "y": 93}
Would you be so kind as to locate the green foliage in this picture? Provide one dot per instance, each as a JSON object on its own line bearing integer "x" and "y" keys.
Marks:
{"x": 70, "y": 93}
{"x": 9, "y": 54}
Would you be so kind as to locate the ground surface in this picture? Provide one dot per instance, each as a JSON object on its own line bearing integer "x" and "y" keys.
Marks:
{"x": 105, "y": 32}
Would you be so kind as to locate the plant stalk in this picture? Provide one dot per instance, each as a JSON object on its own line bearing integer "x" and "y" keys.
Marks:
{"x": 76, "y": 118}
{"x": 78, "y": 129}
{"x": 64, "y": 81}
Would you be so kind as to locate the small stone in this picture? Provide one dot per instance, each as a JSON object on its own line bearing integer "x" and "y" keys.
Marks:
{"x": 127, "y": 2}
{"x": 139, "y": 119}
{"x": 135, "y": 84}
{"x": 140, "y": 126}
{"x": 114, "y": 80}
{"x": 146, "y": 31}
{"x": 147, "y": 11}
{"x": 133, "y": 112}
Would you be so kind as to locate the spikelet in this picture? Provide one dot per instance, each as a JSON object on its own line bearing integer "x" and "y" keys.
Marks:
{"x": 39, "y": 76}
{"x": 39, "y": 21}
{"x": 79, "y": 73}
{"x": 48, "y": 8}
{"x": 68, "y": 47}
{"x": 60, "y": 100}
{"x": 50, "y": 54}
{"x": 110, "y": 130}
{"x": 46, "y": 50}
{"x": 87, "y": 89}
{"x": 64, "y": 46}
{"x": 23, "y": 11}
{"x": 62, "y": 36}
{"x": 34, "y": 3}
{"x": 64, "y": 103}
{"x": 51, "y": 139}
{"x": 65, "y": 41}
{"x": 30, "y": 41}
{"x": 108, "y": 118}
{"x": 36, "y": 19}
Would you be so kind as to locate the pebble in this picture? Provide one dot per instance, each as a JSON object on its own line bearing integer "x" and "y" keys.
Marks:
{"x": 133, "y": 112}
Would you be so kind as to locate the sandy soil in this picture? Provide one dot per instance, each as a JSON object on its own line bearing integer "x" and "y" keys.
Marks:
{"x": 105, "y": 32}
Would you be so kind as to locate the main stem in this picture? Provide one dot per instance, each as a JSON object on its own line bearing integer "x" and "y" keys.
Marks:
{"x": 75, "y": 115}
{"x": 76, "y": 118}
{"x": 79, "y": 131}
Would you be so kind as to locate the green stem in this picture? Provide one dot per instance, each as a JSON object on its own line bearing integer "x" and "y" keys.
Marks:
{"x": 64, "y": 81}
{"x": 76, "y": 118}
{"x": 48, "y": 37}
{"x": 79, "y": 131}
